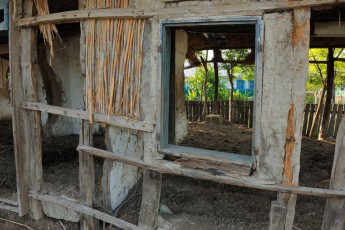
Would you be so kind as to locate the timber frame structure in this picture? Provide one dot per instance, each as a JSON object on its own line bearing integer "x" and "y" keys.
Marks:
{"x": 283, "y": 40}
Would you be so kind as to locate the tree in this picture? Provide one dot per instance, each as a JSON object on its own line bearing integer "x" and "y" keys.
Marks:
{"x": 246, "y": 72}
{"x": 195, "y": 85}
{"x": 326, "y": 71}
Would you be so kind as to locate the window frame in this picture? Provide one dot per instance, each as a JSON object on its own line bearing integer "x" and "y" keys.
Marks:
{"x": 167, "y": 63}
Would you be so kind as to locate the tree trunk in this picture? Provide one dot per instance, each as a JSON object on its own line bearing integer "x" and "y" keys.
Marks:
{"x": 231, "y": 98}
{"x": 204, "y": 63}
{"x": 318, "y": 112}
{"x": 216, "y": 53}
{"x": 329, "y": 94}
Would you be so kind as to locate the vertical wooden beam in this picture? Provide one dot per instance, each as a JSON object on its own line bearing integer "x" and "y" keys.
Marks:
{"x": 152, "y": 184}
{"x": 32, "y": 125}
{"x": 329, "y": 93}
{"x": 285, "y": 70}
{"x": 33, "y": 132}
{"x": 22, "y": 169}
{"x": 334, "y": 214}
{"x": 86, "y": 164}
{"x": 86, "y": 177}
{"x": 26, "y": 125}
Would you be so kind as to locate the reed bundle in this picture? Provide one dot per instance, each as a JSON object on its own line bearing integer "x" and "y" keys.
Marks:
{"x": 48, "y": 31}
{"x": 114, "y": 56}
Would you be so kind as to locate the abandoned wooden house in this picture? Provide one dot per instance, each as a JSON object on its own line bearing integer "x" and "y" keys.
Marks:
{"x": 85, "y": 66}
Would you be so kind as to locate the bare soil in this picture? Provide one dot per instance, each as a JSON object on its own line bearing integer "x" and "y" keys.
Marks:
{"x": 195, "y": 204}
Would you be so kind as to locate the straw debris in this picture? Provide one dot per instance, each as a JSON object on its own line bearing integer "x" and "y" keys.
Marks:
{"x": 48, "y": 31}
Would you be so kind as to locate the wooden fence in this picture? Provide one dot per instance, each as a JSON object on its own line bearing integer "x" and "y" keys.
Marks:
{"x": 242, "y": 113}
{"x": 332, "y": 126}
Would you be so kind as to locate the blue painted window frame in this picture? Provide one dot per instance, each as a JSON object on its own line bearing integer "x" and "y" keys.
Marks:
{"x": 166, "y": 27}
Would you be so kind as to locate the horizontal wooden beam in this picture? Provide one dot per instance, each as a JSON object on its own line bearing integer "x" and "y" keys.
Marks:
{"x": 79, "y": 15}
{"x": 8, "y": 201}
{"x": 170, "y": 168}
{"x": 246, "y": 8}
{"x": 325, "y": 62}
{"x": 9, "y": 207}
{"x": 67, "y": 203}
{"x": 80, "y": 114}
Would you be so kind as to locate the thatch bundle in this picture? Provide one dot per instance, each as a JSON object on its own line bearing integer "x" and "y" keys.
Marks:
{"x": 48, "y": 31}
{"x": 113, "y": 62}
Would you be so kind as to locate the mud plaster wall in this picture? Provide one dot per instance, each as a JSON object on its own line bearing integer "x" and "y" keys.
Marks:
{"x": 5, "y": 98}
{"x": 118, "y": 178}
{"x": 181, "y": 122}
{"x": 285, "y": 71}
{"x": 146, "y": 145}
{"x": 68, "y": 78}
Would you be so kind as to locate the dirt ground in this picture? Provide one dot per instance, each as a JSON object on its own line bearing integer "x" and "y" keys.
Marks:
{"x": 195, "y": 204}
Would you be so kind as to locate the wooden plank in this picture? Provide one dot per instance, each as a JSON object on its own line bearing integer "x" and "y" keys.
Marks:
{"x": 241, "y": 112}
{"x": 200, "y": 110}
{"x": 226, "y": 109}
{"x": 219, "y": 167}
{"x": 195, "y": 109}
{"x": 246, "y": 113}
{"x": 8, "y": 201}
{"x": 251, "y": 117}
{"x": 17, "y": 95}
{"x": 80, "y": 114}
{"x": 32, "y": 126}
{"x": 152, "y": 185}
{"x": 334, "y": 213}
{"x": 189, "y": 152}
{"x": 331, "y": 126}
{"x": 245, "y": 8}
{"x": 311, "y": 117}
{"x": 86, "y": 176}
{"x": 277, "y": 216}
{"x": 187, "y": 110}
{"x": 9, "y": 207}
{"x": 167, "y": 167}
{"x": 67, "y": 203}
{"x": 305, "y": 119}
{"x": 339, "y": 118}
{"x": 85, "y": 14}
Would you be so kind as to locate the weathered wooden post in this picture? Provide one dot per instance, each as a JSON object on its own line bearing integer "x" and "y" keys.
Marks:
{"x": 278, "y": 122}
{"x": 334, "y": 214}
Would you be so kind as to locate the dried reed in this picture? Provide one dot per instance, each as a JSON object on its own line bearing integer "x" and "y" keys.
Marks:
{"x": 113, "y": 62}
{"x": 48, "y": 31}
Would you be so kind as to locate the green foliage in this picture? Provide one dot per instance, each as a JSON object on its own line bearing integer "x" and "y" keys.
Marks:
{"x": 318, "y": 71}
{"x": 245, "y": 72}
{"x": 195, "y": 85}
{"x": 195, "y": 90}
{"x": 238, "y": 96}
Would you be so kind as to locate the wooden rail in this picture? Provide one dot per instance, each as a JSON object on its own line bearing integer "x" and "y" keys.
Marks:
{"x": 246, "y": 8}
{"x": 67, "y": 203}
{"x": 80, "y": 114}
{"x": 167, "y": 167}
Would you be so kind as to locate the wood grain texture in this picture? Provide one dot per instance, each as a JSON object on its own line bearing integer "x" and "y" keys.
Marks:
{"x": 67, "y": 203}
{"x": 17, "y": 95}
{"x": 81, "y": 114}
{"x": 245, "y": 8}
{"x": 168, "y": 167}
{"x": 86, "y": 177}
{"x": 334, "y": 214}
{"x": 152, "y": 185}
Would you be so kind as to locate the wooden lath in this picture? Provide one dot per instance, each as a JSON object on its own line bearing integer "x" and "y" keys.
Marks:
{"x": 113, "y": 63}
